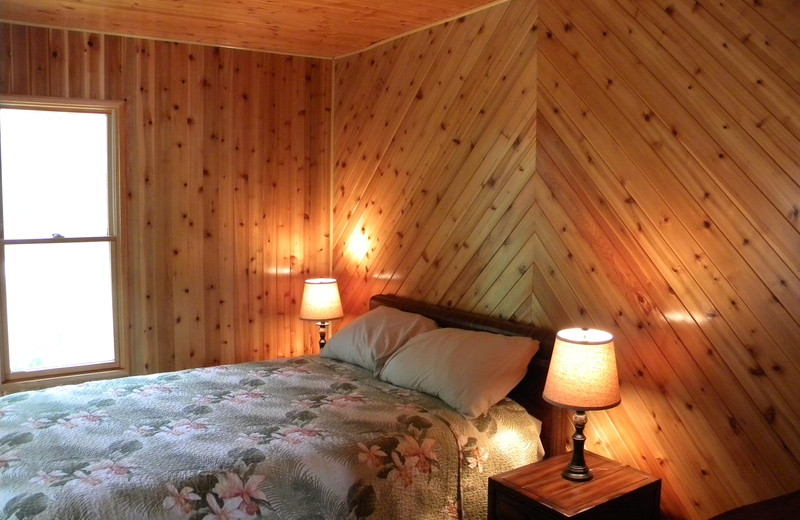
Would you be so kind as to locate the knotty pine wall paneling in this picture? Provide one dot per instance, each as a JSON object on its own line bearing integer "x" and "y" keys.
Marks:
{"x": 654, "y": 193}
{"x": 227, "y": 170}
{"x": 434, "y": 148}
{"x": 630, "y": 165}
{"x": 667, "y": 192}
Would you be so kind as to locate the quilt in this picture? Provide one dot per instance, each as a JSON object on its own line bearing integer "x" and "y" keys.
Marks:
{"x": 303, "y": 438}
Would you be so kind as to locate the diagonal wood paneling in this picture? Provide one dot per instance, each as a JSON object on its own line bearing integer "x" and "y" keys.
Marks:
{"x": 667, "y": 192}
{"x": 227, "y": 174}
{"x": 659, "y": 202}
{"x": 434, "y": 153}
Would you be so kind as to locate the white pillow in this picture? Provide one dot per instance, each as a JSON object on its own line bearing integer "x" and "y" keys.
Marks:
{"x": 468, "y": 370}
{"x": 370, "y": 339}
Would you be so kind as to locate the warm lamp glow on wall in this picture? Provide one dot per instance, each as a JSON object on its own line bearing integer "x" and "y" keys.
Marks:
{"x": 358, "y": 245}
{"x": 321, "y": 304}
{"x": 582, "y": 376}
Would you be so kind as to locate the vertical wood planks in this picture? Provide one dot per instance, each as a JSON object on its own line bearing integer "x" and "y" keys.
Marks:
{"x": 57, "y": 67}
{"x": 227, "y": 223}
{"x": 18, "y": 52}
{"x": 210, "y": 184}
{"x": 5, "y": 56}
{"x": 39, "y": 74}
{"x": 226, "y": 155}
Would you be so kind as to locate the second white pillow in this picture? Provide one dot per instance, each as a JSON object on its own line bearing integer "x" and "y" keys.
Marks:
{"x": 468, "y": 370}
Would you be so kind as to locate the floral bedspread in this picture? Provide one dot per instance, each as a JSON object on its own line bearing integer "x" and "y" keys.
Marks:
{"x": 305, "y": 438}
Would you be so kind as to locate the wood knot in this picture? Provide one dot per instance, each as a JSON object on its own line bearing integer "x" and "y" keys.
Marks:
{"x": 734, "y": 424}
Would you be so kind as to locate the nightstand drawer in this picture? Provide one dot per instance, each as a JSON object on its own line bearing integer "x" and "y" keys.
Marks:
{"x": 641, "y": 504}
{"x": 504, "y": 505}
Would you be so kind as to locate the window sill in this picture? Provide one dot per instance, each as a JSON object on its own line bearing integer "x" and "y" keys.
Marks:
{"x": 10, "y": 387}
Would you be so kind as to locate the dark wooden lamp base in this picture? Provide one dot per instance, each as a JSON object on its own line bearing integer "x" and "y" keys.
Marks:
{"x": 577, "y": 470}
{"x": 323, "y": 329}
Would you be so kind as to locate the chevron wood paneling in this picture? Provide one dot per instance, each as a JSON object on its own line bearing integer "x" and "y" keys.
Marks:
{"x": 227, "y": 167}
{"x": 660, "y": 202}
{"x": 667, "y": 196}
{"x": 434, "y": 146}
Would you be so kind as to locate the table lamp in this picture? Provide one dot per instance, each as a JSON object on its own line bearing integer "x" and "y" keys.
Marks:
{"x": 321, "y": 304}
{"x": 582, "y": 376}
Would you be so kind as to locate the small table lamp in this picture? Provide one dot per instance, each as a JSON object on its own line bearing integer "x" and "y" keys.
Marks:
{"x": 321, "y": 303}
{"x": 582, "y": 376}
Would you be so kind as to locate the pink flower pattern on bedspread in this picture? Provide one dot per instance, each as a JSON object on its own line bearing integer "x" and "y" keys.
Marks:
{"x": 291, "y": 439}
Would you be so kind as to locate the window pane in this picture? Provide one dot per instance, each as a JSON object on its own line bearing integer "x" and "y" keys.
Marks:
{"x": 59, "y": 304}
{"x": 55, "y": 173}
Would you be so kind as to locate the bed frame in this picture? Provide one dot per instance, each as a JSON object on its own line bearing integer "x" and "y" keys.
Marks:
{"x": 528, "y": 393}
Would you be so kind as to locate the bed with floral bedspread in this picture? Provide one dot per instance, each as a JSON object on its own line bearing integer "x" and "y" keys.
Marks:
{"x": 305, "y": 438}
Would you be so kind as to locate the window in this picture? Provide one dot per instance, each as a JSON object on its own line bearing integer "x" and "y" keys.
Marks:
{"x": 59, "y": 227}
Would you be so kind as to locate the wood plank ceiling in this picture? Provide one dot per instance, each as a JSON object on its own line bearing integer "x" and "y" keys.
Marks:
{"x": 320, "y": 28}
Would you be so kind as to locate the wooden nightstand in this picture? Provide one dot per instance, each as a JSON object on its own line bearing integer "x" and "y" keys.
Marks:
{"x": 537, "y": 491}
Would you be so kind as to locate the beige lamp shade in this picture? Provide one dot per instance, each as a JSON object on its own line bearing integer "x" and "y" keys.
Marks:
{"x": 583, "y": 371}
{"x": 321, "y": 300}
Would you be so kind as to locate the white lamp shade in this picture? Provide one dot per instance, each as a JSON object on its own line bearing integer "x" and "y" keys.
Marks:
{"x": 321, "y": 300}
{"x": 583, "y": 371}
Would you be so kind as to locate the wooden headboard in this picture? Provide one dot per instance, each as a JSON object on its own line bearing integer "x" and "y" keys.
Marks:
{"x": 528, "y": 392}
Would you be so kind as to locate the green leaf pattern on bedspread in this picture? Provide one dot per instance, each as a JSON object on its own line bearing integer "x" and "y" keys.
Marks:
{"x": 304, "y": 438}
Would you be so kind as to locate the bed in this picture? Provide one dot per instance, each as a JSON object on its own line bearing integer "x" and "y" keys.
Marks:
{"x": 302, "y": 438}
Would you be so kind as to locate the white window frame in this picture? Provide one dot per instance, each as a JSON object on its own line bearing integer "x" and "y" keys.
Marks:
{"x": 11, "y": 382}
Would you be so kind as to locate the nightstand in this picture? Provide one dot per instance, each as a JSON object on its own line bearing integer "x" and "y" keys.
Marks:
{"x": 537, "y": 491}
